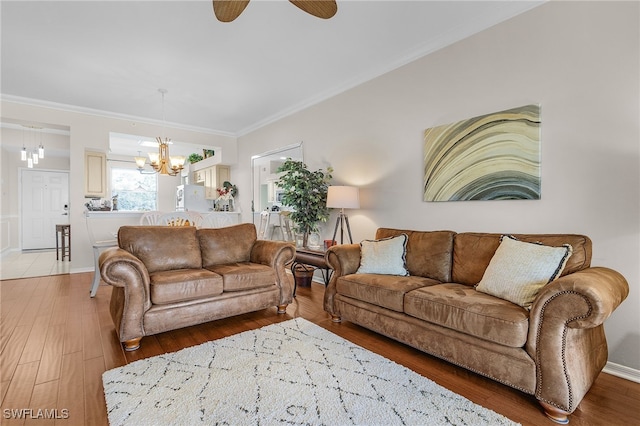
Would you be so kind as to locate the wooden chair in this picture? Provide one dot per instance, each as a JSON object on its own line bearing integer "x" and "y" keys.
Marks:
{"x": 177, "y": 219}
{"x": 285, "y": 227}
{"x": 150, "y": 218}
{"x": 195, "y": 218}
{"x": 285, "y": 224}
{"x": 265, "y": 215}
{"x": 218, "y": 220}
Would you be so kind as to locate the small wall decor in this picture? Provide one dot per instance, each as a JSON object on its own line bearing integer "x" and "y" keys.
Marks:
{"x": 208, "y": 153}
{"x": 491, "y": 157}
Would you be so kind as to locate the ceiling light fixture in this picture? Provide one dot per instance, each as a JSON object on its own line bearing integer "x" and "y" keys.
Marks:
{"x": 32, "y": 157}
{"x": 228, "y": 10}
{"x": 161, "y": 162}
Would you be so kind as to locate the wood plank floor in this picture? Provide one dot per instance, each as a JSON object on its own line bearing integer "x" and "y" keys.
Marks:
{"x": 55, "y": 343}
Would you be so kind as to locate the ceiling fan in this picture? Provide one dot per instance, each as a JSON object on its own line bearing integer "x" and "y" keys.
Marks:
{"x": 228, "y": 10}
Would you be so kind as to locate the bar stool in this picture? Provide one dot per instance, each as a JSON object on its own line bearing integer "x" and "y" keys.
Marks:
{"x": 64, "y": 230}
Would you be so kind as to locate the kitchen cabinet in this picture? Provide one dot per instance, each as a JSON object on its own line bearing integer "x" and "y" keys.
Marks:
{"x": 95, "y": 174}
{"x": 214, "y": 177}
{"x": 199, "y": 176}
{"x": 274, "y": 192}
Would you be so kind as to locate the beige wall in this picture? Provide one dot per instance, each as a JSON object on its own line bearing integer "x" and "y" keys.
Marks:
{"x": 579, "y": 60}
{"x": 89, "y": 131}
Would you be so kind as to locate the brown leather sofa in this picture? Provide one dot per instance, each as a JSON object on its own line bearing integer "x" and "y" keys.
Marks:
{"x": 169, "y": 277}
{"x": 553, "y": 351}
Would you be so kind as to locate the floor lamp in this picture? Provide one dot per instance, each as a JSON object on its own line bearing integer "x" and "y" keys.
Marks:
{"x": 343, "y": 197}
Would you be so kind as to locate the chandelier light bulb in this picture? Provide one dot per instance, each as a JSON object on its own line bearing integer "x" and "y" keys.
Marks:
{"x": 41, "y": 151}
{"x": 35, "y": 157}
{"x": 154, "y": 158}
{"x": 23, "y": 154}
{"x": 30, "y": 163}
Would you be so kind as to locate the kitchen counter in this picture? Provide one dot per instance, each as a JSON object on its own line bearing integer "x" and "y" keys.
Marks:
{"x": 121, "y": 213}
{"x": 104, "y": 225}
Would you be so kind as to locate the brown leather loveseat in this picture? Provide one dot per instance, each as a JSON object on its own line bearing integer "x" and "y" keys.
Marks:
{"x": 553, "y": 349}
{"x": 169, "y": 277}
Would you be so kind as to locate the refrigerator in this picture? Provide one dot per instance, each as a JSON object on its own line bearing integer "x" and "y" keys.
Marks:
{"x": 192, "y": 198}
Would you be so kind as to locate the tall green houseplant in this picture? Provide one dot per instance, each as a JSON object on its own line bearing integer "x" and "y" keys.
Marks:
{"x": 306, "y": 192}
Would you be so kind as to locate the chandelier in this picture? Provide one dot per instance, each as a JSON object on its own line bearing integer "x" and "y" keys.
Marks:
{"x": 160, "y": 161}
{"x": 32, "y": 156}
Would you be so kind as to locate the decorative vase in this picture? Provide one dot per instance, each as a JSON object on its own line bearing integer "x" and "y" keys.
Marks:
{"x": 314, "y": 240}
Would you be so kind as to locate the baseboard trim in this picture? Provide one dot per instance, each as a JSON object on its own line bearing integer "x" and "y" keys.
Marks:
{"x": 622, "y": 371}
{"x": 81, "y": 270}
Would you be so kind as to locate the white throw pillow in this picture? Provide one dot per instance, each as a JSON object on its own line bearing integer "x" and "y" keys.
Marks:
{"x": 518, "y": 270}
{"x": 386, "y": 256}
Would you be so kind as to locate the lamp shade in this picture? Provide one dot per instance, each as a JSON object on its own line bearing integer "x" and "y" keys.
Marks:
{"x": 343, "y": 197}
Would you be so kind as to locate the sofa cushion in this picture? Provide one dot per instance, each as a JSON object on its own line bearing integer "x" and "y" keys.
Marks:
{"x": 386, "y": 291}
{"x": 385, "y": 256}
{"x": 472, "y": 253}
{"x": 428, "y": 252}
{"x": 162, "y": 248}
{"x": 183, "y": 284}
{"x": 518, "y": 270}
{"x": 461, "y": 308}
{"x": 244, "y": 275}
{"x": 227, "y": 245}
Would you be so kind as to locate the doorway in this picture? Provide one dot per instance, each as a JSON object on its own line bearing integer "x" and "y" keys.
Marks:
{"x": 44, "y": 198}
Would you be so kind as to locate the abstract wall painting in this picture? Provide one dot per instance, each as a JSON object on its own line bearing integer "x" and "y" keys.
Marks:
{"x": 491, "y": 157}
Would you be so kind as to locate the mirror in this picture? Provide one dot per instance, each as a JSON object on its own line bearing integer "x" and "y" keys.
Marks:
{"x": 264, "y": 176}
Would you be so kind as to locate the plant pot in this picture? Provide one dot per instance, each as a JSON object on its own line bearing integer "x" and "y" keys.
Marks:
{"x": 303, "y": 275}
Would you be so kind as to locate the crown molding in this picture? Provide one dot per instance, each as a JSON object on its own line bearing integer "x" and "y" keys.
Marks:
{"x": 109, "y": 114}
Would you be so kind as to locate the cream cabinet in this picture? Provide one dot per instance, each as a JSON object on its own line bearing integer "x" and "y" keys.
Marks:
{"x": 95, "y": 174}
{"x": 199, "y": 176}
{"x": 214, "y": 177}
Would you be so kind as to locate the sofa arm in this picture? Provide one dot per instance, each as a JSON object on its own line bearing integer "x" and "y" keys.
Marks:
{"x": 276, "y": 254}
{"x": 566, "y": 333}
{"x": 344, "y": 260}
{"x": 272, "y": 253}
{"x": 130, "y": 298}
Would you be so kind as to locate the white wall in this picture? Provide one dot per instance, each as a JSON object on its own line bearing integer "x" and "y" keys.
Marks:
{"x": 89, "y": 131}
{"x": 579, "y": 60}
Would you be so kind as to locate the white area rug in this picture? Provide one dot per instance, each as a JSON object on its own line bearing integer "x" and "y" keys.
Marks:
{"x": 293, "y": 372}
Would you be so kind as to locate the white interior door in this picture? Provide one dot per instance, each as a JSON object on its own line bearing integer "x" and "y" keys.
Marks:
{"x": 45, "y": 202}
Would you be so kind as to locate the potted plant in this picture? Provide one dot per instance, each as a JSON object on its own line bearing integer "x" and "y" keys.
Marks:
{"x": 306, "y": 193}
{"x": 194, "y": 158}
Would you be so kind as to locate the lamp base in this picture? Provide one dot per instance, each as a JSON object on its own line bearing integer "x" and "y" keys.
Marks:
{"x": 342, "y": 220}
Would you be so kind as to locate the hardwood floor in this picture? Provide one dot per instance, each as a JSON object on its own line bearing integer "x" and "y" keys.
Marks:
{"x": 55, "y": 343}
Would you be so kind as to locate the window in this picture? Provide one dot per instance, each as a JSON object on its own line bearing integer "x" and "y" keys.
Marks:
{"x": 135, "y": 191}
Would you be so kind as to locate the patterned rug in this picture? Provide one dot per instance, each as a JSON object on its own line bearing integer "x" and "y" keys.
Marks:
{"x": 293, "y": 372}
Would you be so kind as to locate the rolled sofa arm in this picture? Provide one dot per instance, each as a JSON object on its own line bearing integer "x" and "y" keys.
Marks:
{"x": 130, "y": 298}
{"x": 344, "y": 260}
{"x": 276, "y": 254}
{"x": 566, "y": 333}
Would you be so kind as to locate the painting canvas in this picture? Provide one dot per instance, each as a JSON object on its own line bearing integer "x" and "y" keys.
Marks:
{"x": 491, "y": 157}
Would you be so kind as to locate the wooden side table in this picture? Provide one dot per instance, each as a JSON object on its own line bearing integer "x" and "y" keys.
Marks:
{"x": 313, "y": 258}
{"x": 63, "y": 230}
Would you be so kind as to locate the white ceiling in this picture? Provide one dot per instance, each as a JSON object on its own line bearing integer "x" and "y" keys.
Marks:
{"x": 111, "y": 57}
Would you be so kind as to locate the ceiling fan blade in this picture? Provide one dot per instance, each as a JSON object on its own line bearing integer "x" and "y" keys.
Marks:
{"x": 228, "y": 10}
{"x": 324, "y": 9}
